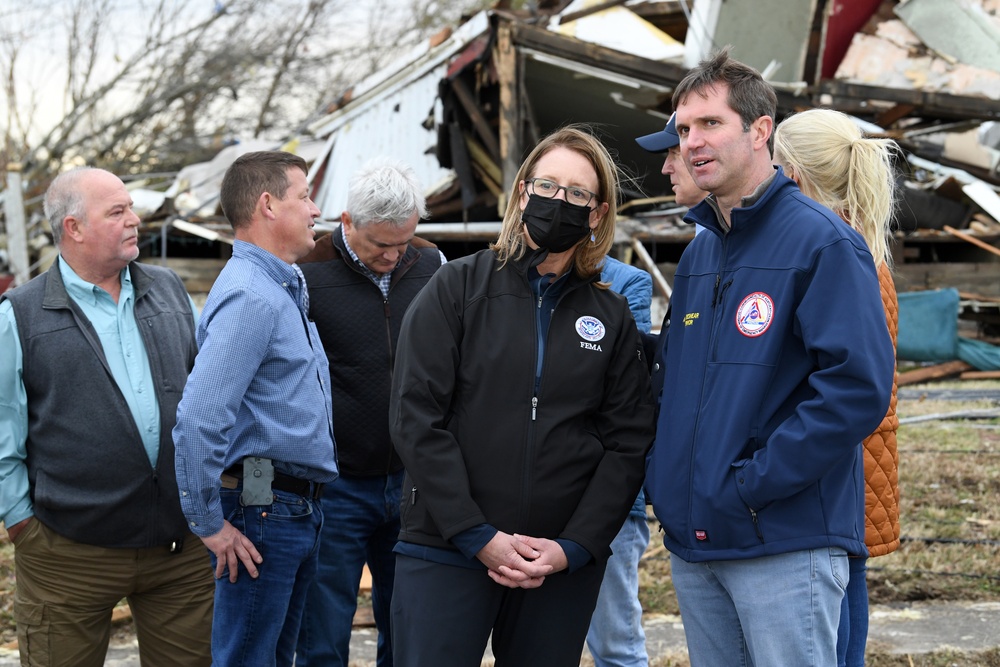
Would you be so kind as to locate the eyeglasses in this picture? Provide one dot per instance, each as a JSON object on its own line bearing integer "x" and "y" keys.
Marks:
{"x": 549, "y": 189}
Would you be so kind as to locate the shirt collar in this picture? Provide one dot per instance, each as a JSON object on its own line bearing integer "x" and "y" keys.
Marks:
{"x": 745, "y": 202}
{"x": 754, "y": 197}
{"x": 288, "y": 276}
{"x": 82, "y": 291}
{"x": 281, "y": 271}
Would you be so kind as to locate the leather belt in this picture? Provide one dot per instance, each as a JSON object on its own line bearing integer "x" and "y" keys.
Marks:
{"x": 282, "y": 482}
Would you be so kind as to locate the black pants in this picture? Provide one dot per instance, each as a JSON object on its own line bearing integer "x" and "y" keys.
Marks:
{"x": 443, "y": 615}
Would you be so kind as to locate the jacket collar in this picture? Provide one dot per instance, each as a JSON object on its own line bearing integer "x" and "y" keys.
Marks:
{"x": 534, "y": 257}
{"x": 56, "y": 296}
{"x": 707, "y": 214}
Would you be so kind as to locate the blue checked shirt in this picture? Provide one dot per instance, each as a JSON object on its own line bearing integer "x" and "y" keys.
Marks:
{"x": 260, "y": 385}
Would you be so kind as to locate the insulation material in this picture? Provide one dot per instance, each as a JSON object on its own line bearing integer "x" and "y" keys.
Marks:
{"x": 891, "y": 59}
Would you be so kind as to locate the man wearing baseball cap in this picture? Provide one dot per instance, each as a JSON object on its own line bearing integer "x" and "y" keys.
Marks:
{"x": 686, "y": 193}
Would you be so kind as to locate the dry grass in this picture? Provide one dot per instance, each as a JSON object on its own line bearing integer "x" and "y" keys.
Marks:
{"x": 950, "y": 488}
{"x": 7, "y": 629}
{"x": 990, "y": 658}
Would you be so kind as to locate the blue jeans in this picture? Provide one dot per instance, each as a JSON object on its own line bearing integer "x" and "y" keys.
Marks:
{"x": 767, "y": 611}
{"x": 256, "y": 621}
{"x": 853, "y": 633}
{"x": 616, "y": 637}
{"x": 362, "y": 526}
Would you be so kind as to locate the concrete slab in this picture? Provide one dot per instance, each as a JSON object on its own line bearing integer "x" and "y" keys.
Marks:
{"x": 912, "y": 628}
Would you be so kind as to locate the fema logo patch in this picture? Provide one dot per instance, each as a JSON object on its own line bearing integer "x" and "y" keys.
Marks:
{"x": 754, "y": 314}
{"x": 590, "y": 328}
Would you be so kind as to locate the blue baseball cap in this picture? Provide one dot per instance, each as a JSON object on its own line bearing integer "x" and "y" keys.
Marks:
{"x": 661, "y": 142}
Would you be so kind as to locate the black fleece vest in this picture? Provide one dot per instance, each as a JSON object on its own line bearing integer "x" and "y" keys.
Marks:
{"x": 89, "y": 473}
{"x": 359, "y": 330}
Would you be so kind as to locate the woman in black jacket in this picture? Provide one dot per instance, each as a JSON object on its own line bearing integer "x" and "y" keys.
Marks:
{"x": 521, "y": 409}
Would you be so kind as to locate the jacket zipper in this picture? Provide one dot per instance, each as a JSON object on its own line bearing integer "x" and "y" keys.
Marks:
{"x": 392, "y": 361}
{"x": 756, "y": 526}
{"x": 530, "y": 443}
{"x": 538, "y": 374}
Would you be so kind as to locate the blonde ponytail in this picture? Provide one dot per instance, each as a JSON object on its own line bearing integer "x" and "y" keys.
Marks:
{"x": 843, "y": 170}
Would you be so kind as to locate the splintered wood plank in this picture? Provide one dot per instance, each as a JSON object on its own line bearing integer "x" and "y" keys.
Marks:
{"x": 936, "y": 372}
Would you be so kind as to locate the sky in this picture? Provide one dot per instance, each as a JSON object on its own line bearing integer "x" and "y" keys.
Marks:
{"x": 38, "y": 29}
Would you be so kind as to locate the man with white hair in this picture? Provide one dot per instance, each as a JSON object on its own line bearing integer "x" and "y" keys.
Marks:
{"x": 362, "y": 278}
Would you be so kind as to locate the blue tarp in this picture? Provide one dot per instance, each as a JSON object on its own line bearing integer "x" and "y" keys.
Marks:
{"x": 928, "y": 331}
{"x": 977, "y": 353}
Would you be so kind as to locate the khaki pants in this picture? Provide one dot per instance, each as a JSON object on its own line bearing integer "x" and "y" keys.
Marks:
{"x": 66, "y": 592}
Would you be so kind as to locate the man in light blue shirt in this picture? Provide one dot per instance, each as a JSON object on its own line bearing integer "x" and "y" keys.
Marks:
{"x": 254, "y": 435}
{"x": 93, "y": 356}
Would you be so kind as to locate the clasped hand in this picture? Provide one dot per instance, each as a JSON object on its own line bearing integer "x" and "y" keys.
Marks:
{"x": 520, "y": 561}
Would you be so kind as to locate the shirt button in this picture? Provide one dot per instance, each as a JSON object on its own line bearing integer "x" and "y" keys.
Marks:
{"x": 194, "y": 523}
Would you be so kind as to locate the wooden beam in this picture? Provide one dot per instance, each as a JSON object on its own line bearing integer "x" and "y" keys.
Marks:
{"x": 972, "y": 239}
{"x": 947, "y": 369}
{"x": 17, "y": 229}
{"x": 546, "y": 41}
{"x": 889, "y": 117}
{"x": 979, "y": 277}
{"x": 661, "y": 283}
{"x": 980, "y": 375}
{"x": 483, "y": 128}
{"x": 939, "y": 104}
{"x": 505, "y": 60}
{"x": 481, "y": 158}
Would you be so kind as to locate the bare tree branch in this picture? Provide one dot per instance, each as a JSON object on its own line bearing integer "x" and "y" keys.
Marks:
{"x": 163, "y": 83}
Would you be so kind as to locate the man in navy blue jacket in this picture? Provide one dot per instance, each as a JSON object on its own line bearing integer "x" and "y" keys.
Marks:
{"x": 778, "y": 364}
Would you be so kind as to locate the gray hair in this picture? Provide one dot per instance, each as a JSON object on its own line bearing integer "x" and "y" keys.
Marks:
{"x": 385, "y": 191}
{"x": 64, "y": 199}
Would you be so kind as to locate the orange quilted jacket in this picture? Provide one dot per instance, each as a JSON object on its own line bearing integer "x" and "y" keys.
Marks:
{"x": 881, "y": 457}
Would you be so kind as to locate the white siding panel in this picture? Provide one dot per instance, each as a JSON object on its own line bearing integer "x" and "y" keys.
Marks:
{"x": 391, "y": 126}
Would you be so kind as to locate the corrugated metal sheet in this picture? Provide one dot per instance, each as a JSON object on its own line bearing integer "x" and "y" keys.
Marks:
{"x": 390, "y": 126}
{"x": 386, "y": 118}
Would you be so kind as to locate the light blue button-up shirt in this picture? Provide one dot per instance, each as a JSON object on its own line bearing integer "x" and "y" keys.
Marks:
{"x": 260, "y": 385}
{"x": 126, "y": 356}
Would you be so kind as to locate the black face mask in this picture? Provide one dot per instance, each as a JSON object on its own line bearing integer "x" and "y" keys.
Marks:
{"x": 555, "y": 225}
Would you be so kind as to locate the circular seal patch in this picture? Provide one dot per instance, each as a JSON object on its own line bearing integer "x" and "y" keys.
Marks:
{"x": 590, "y": 328}
{"x": 754, "y": 314}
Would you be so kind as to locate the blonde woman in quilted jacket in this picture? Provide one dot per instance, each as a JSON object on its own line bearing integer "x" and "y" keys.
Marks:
{"x": 825, "y": 152}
